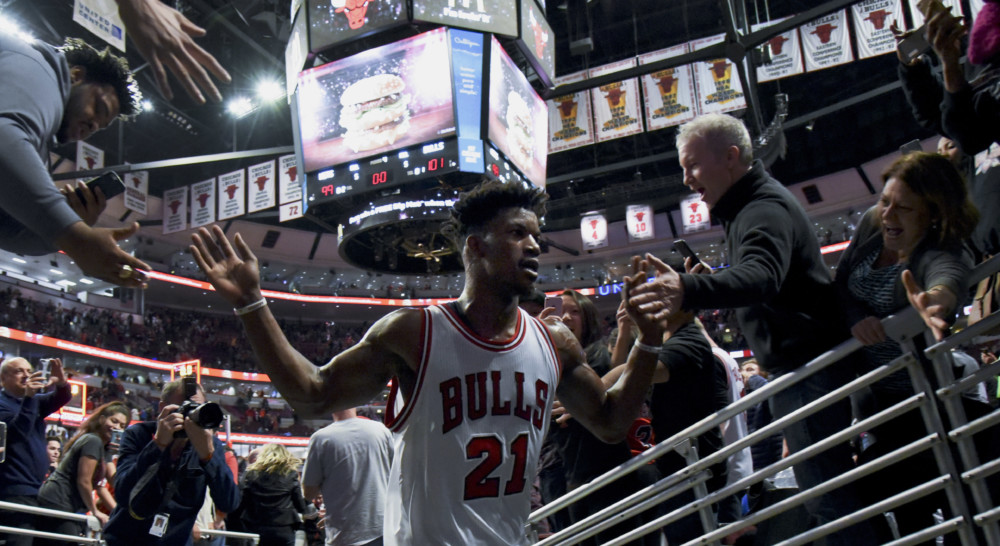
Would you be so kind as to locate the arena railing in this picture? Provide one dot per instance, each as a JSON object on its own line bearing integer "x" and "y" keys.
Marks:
{"x": 957, "y": 476}
{"x": 209, "y": 533}
{"x": 93, "y": 524}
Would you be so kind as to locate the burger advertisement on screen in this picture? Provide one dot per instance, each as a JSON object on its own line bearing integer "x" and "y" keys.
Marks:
{"x": 383, "y": 99}
{"x": 518, "y": 117}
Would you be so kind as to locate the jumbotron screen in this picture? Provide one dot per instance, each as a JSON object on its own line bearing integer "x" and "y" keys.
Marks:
{"x": 333, "y": 22}
{"x": 496, "y": 16}
{"x": 383, "y": 99}
{"x": 518, "y": 117}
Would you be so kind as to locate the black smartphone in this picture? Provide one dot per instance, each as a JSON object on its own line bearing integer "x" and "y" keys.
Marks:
{"x": 680, "y": 245}
{"x": 110, "y": 183}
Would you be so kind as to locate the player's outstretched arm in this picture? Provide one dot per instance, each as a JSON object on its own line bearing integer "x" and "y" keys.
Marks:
{"x": 609, "y": 413}
{"x": 352, "y": 378}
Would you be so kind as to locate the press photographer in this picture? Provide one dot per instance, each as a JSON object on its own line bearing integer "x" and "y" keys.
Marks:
{"x": 164, "y": 468}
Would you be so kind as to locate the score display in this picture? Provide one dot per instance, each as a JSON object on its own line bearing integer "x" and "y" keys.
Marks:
{"x": 392, "y": 169}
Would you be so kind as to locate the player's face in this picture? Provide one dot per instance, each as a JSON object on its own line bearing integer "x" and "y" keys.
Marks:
{"x": 90, "y": 108}
{"x": 511, "y": 249}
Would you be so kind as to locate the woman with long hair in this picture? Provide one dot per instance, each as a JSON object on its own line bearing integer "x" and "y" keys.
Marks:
{"x": 272, "y": 497}
{"x": 81, "y": 471}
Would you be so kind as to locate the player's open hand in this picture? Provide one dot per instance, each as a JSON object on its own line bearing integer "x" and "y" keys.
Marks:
{"x": 639, "y": 298}
{"x": 233, "y": 272}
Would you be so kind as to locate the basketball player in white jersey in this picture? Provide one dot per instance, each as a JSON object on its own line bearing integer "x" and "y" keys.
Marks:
{"x": 473, "y": 380}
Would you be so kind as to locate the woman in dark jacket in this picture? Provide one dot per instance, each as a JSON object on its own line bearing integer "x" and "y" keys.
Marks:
{"x": 271, "y": 497}
{"x": 917, "y": 229}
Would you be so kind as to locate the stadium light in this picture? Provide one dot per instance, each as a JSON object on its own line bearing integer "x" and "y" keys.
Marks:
{"x": 240, "y": 107}
{"x": 270, "y": 91}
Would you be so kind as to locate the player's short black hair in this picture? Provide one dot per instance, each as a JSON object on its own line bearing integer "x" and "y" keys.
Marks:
{"x": 104, "y": 68}
{"x": 476, "y": 207}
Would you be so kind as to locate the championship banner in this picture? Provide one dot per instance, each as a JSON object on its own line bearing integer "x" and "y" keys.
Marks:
{"x": 955, "y": 5}
{"x": 669, "y": 94}
{"x": 203, "y": 203}
{"x": 289, "y": 183}
{"x": 232, "y": 190}
{"x": 786, "y": 54}
{"x": 826, "y": 42}
{"x": 570, "y": 122}
{"x": 88, "y": 157}
{"x": 872, "y": 20}
{"x": 261, "y": 177}
{"x": 639, "y": 221}
{"x": 137, "y": 192}
{"x": 594, "y": 231}
{"x": 101, "y": 18}
{"x": 616, "y": 105}
{"x": 718, "y": 81}
{"x": 289, "y": 211}
{"x": 694, "y": 214}
{"x": 175, "y": 210}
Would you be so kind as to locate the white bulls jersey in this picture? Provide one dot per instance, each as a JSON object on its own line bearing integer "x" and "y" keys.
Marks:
{"x": 467, "y": 441}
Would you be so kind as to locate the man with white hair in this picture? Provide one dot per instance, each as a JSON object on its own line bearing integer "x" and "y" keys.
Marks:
{"x": 23, "y": 408}
{"x": 781, "y": 289}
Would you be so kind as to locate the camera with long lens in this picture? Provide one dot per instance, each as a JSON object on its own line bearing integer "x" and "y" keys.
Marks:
{"x": 207, "y": 415}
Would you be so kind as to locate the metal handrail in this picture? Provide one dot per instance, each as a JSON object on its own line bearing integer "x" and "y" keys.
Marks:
{"x": 230, "y": 534}
{"x": 93, "y": 524}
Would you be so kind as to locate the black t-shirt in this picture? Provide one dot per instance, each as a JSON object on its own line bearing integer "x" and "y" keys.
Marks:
{"x": 697, "y": 388}
{"x": 585, "y": 456}
{"x": 60, "y": 491}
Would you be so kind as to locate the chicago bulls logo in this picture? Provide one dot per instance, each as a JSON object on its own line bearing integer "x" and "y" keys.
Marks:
{"x": 292, "y": 172}
{"x": 261, "y": 180}
{"x": 136, "y": 181}
{"x": 877, "y": 18}
{"x": 90, "y": 161}
{"x": 593, "y": 226}
{"x": 823, "y": 32}
{"x": 231, "y": 190}
{"x": 694, "y": 207}
{"x": 777, "y": 44}
{"x": 174, "y": 205}
{"x": 202, "y": 199}
{"x": 354, "y": 10}
{"x": 639, "y": 215}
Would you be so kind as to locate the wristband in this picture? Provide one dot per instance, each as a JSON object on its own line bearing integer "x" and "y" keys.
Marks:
{"x": 655, "y": 349}
{"x": 240, "y": 311}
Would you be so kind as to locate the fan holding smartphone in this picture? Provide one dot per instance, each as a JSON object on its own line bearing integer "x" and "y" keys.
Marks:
{"x": 692, "y": 263}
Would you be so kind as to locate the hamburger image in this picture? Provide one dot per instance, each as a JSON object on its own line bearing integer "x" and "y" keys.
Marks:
{"x": 520, "y": 141}
{"x": 374, "y": 112}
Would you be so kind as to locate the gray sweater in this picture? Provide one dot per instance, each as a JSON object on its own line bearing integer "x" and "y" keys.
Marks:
{"x": 33, "y": 94}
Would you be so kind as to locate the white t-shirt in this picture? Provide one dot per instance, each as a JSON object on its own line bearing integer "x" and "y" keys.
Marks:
{"x": 349, "y": 461}
{"x": 739, "y": 464}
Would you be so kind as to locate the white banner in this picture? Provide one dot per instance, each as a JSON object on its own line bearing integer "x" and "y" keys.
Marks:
{"x": 718, "y": 81}
{"x": 594, "y": 230}
{"x": 88, "y": 157}
{"x": 616, "y": 105}
{"x": 232, "y": 191}
{"x": 570, "y": 122}
{"x": 203, "y": 203}
{"x": 639, "y": 220}
{"x": 976, "y": 6}
{"x": 101, "y": 18}
{"x": 826, "y": 42}
{"x": 872, "y": 20}
{"x": 918, "y": 17}
{"x": 669, "y": 94}
{"x": 694, "y": 214}
{"x": 289, "y": 211}
{"x": 289, "y": 183}
{"x": 175, "y": 210}
{"x": 137, "y": 191}
{"x": 786, "y": 54}
{"x": 261, "y": 185}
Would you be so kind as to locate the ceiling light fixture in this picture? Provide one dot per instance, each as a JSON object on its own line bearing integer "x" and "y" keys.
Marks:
{"x": 240, "y": 107}
{"x": 270, "y": 91}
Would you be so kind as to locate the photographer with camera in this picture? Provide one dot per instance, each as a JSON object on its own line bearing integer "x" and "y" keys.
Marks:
{"x": 164, "y": 467}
